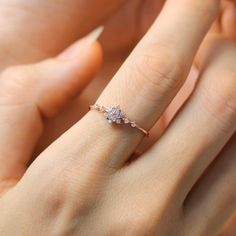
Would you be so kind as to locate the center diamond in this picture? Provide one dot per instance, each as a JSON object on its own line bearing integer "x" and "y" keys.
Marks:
{"x": 114, "y": 115}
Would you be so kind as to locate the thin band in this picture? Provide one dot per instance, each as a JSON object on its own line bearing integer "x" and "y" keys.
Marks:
{"x": 114, "y": 115}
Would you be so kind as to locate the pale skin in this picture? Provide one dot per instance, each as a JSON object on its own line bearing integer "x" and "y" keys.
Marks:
{"x": 81, "y": 185}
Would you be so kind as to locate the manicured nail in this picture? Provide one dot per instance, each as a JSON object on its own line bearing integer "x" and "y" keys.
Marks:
{"x": 77, "y": 48}
{"x": 94, "y": 35}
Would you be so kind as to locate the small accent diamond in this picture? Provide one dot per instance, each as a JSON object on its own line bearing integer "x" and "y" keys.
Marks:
{"x": 126, "y": 121}
{"x": 118, "y": 121}
{"x": 114, "y": 115}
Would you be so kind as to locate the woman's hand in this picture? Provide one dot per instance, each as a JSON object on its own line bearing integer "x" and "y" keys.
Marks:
{"x": 46, "y": 36}
{"x": 81, "y": 184}
{"x": 54, "y": 25}
{"x": 31, "y": 94}
{"x": 51, "y": 26}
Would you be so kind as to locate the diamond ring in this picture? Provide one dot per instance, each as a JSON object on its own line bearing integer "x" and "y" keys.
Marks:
{"x": 114, "y": 115}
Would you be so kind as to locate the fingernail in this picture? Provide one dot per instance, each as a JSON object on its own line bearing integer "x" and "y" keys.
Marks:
{"x": 94, "y": 35}
{"x": 82, "y": 44}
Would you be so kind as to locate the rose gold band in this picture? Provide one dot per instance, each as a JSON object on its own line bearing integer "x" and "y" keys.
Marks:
{"x": 114, "y": 115}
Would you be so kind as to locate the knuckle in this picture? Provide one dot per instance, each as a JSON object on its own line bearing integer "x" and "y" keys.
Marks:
{"x": 54, "y": 200}
{"x": 135, "y": 225}
{"x": 68, "y": 190}
{"x": 160, "y": 71}
{"x": 15, "y": 72}
{"x": 58, "y": 197}
{"x": 143, "y": 224}
{"x": 14, "y": 83}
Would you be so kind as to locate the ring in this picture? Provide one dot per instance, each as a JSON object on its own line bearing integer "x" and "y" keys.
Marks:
{"x": 114, "y": 115}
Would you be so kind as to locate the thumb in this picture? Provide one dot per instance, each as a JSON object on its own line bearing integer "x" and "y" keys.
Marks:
{"x": 30, "y": 93}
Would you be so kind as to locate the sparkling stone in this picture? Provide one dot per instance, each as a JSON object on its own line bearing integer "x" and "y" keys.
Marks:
{"x": 118, "y": 121}
{"x": 133, "y": 125}
{"x": 109, "y": 110}
{"x": 126, "y": 121}
{"x": 114, "y": 114}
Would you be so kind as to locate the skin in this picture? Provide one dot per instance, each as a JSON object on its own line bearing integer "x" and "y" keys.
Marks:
{"x": 70, "y": 18}
{"x": 226, "y": 25}
{"x": 121, "y": 182}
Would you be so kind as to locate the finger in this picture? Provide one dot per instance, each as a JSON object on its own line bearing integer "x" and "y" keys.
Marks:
{"x": 161, "y": 61}
{"x": 202, "y": 127}
{"x": 230, "y": 227}
{"x": 169, "y": 114}
{"x": 216, "y": 27}
{"x": 229, "y": 19}
{"x": 52, "y": 26}
{"x": 214, "y": 194}
{"x": 31, "y": 93}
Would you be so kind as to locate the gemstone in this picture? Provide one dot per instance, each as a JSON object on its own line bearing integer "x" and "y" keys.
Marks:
{"x": 114, "y": 114}
{"x": 126, "y": 121}
{"x": 133, "y": 125}
{"x": 118, "y": 121}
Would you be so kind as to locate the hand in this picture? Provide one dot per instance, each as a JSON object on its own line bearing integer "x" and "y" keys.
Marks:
{"x": 51, "y": 26}
{"x": 54, "y": 25}
{"x": 138, "y": 16}
{"x": 71, "y": 20}
{"x": 82, "y": 184}
{"x": 115, "y": 54}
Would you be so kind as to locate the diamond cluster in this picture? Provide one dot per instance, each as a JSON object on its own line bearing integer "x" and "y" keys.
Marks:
{"x": 114, "y": 115}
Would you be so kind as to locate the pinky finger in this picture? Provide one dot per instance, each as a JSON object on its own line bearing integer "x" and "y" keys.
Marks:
{"x": 216, "y": 195}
